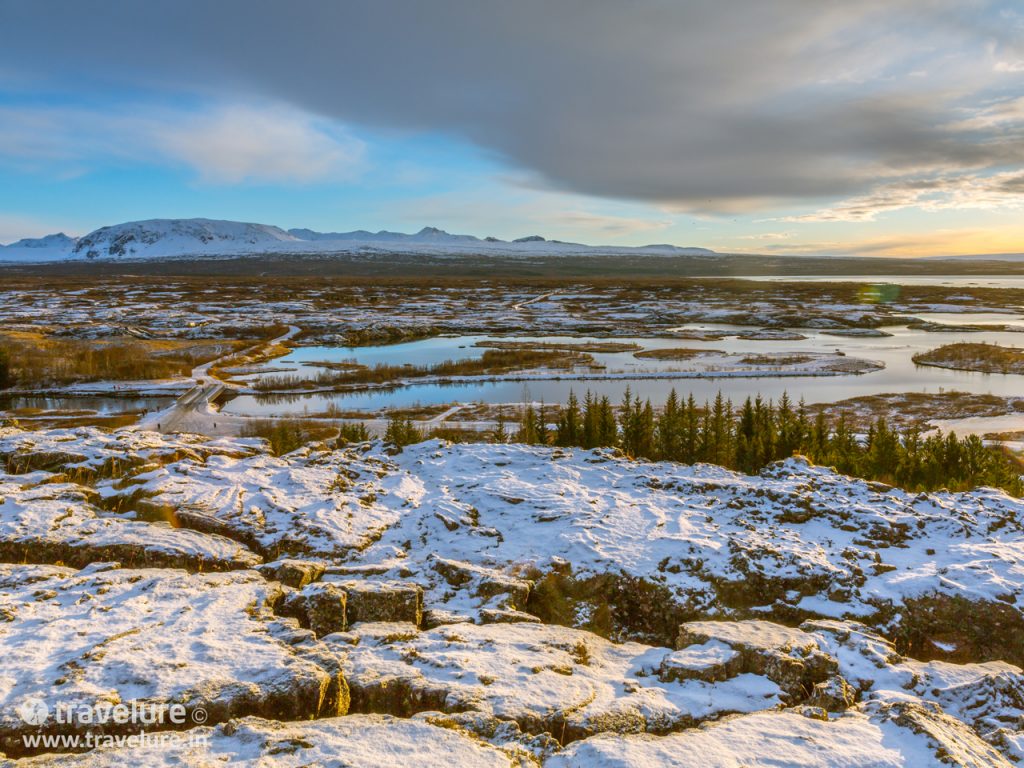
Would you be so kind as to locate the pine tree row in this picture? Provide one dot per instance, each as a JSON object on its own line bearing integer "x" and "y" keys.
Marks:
{"x": 759, "y": 432}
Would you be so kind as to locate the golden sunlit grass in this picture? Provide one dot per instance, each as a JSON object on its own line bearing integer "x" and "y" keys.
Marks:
{"x": 38, "y": 360}
{"x": 262, "y": 355}
{"x": 984, "y": 358}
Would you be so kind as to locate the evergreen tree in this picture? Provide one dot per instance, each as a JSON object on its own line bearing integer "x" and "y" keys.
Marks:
{"x": 803, "y": 426}
{"x": 627, "y": 422}
{"x": 933, "y": 469}
{"x": 844, "y": 453}
{"x": 541, "y": 428}
{"x": 882, "y": 451}
{"x": 667, "y": 430}
{"x": 6, "y": 375}
{"x": 569, "y": 423}
{"x": 401, "y": 432}
{"x": 787, "y": 429}
{"x": 951, "y": 457}
{"x": 973, "y": 461}
{"x": 352, "y": 433}
{"x": 500, "y": 431}
{"x": 765, "y": 432}
{"x": 689, "y": 438}
{"x": 746, "y": 448}
{"x": 909, "y": 465}
{"x": 717, "y": 433}
{"x": 819, "y": 439}
{"x": 528, "y": 427}
{"x": 591, "y": 422}
{"x": 607, "y": 430}
{"x": 645, "y": 442}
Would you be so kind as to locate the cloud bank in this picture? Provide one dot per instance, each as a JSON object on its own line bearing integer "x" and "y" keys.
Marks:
{"x": 691, "y": 105}
{"x": 222, "y": 144}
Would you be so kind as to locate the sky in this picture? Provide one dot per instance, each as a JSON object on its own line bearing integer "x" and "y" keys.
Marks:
{"x": 876, "y": 127}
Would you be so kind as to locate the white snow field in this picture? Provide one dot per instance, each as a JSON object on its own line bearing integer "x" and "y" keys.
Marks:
{"x": 457, "y": 604}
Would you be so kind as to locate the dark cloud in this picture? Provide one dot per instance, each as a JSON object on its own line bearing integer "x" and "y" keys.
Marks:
{"x": 1012, "y": 185}
{"x": 701, "y": 104}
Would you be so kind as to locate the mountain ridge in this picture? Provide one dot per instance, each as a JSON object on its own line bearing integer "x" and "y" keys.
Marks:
{"x": 176, "y": 238}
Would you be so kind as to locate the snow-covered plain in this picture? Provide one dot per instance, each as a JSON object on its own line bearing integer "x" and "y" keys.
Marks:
{"x": 579, "y": 608}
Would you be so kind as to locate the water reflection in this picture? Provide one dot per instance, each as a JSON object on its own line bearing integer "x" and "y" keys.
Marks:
{"x": 103, "y": 406}
{"x": 900, "y": 373}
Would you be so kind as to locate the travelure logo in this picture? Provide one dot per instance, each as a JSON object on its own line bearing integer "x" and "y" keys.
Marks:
{"x": 33, "y": 711}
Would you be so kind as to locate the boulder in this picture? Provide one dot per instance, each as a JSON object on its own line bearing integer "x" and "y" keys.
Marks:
{"x": 832, "y": 695}
{"x": 382, "y": 601}
{"x": 789, "y": 657}
{"x": 712, "y": 662}
{"x": 483, "y": 582}
{"x": 506, "y": 616}
{"x": 293, "y": 573}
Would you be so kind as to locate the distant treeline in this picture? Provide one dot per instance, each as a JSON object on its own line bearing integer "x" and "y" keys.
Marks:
{"x": 761, "y": 431}
{"x": 40, "y": 363}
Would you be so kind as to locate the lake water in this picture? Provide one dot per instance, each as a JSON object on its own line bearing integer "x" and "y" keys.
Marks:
{"x": 965, "y": 281}
{"x": 899, "y": 375}
{"x": 103, "y": 406}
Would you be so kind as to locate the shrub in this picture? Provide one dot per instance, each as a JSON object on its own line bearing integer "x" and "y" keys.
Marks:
{"x": 287, "y": 435}
{"x": 402, "y": 432}
{"x": 352, "y": 433}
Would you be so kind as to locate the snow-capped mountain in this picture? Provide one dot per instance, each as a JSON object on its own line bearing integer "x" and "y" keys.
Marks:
{"x": 48, "y": 248}
{"x": 425, "y": 235}
{"x": 59, "y": 240}
{"x": 180, "y": 238}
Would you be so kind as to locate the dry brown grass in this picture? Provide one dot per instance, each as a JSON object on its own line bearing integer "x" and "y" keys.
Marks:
{"x": 50, "y": 421}
{"x": 674, "y": 353}
{"x": 257, "y": 357}
{"x": 776, "y": 359}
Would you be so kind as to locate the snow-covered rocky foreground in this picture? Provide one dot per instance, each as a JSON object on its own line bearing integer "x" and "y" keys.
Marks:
{"x": 499, "y": 605}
